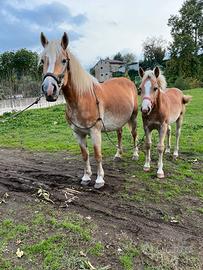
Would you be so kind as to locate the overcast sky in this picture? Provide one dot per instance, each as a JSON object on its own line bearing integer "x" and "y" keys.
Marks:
{"x": 96, "y": 28}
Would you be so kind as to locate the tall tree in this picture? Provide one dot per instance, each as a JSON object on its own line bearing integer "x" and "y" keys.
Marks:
{"x": 129, "y": 58}
{"x": 154, "y": 52}
{"x": 187, "y": 44}
{"x": 118, "y": 56}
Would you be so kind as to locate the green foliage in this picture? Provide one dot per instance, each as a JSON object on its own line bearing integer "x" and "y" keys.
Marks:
{"x": 181, "y": 83}
{"x": 127, "y": 58}
{"x": 19, "y": 73}
{"x": 154, "y": 52}
{"x": 187, "y": 34}
{"x": 118, "y": 56}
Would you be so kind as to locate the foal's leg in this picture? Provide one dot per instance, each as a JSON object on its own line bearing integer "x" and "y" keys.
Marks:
{"x": 162, "y": 134}
{"x": 96, "y": 139}
{"x": 168, "y": 142}
{"x": 148, "y": 143}
{"x": 133, "y": 123}
{"x": 178, "y": 131}
{"x": 85, "y": 154}
{"x": 119, "y": 152}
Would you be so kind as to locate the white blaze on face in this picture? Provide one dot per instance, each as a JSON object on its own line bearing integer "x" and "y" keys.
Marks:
{"x": 146, "y": 104}
{"x": 52, "y": 61}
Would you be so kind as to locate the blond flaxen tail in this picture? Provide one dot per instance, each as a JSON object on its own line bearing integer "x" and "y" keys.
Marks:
{"x": 186, "y": 99}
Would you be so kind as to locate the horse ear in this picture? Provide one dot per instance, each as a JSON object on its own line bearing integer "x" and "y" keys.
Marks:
{"x": 141, "y": 72}
{"x": 64, "y": 41}
{"x": 156, "y": 72}
{"x": 44, "y": 40}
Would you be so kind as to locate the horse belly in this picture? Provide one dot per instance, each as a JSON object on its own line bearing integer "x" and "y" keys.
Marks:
{"x": 114, "y": 122}
{"x": 174, "y": 116}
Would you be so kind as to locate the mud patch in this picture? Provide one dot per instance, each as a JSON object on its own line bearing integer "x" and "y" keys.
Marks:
{"x": 23, "y": 173}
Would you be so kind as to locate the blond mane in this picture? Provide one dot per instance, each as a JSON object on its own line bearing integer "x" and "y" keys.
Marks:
{"x": 161, "y": 80}
{"x": 81, "y": 80}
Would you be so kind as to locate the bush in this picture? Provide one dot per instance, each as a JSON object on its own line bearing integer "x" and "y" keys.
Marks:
{"x": 187, "y": 83}
{"x": 181, "y": 83}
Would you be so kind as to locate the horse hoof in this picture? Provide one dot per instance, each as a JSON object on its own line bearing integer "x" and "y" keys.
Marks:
{"x": 85, "y": 183}
{"x": 98, "y": 185}
{"x": 146, "y": 169}
{"x": 175, "y": 157}
{"x": 167, "y": 151}
{"x": 117, "y": 159}
{"x": 160, "y": 175}
{"x": 135, "y": 157}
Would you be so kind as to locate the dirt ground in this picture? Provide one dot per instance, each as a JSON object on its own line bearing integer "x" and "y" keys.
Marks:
{"x": 23, "y": 172}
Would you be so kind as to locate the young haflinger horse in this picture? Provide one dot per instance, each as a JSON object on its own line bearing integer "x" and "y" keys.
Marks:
{"x": 91, "y": 107}
{"x": 160, "y": 107}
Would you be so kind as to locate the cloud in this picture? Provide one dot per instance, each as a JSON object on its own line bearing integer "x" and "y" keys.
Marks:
{"x": 96, "y": 28}
{"x": 21, "y": 26}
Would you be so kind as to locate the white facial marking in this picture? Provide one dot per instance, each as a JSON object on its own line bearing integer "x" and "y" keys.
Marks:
{"x": 146, "y": 103}
{"x": 52, "y": 62}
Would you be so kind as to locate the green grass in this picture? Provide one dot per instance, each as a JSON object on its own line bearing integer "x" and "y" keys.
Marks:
{"x": 48, "y": 240}
{"x": 47, "y": 130}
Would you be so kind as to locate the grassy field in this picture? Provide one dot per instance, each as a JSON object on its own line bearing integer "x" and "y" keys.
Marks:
{"x": 54, "y": 240}
{"x": 47, "y": 130}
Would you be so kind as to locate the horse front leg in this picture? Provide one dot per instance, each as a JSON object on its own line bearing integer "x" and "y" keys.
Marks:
{"x": 162, "y": 134}
{"x": 96, "y": 140}
{"x": 85, "y": 154}
{"x": 148, "y": 143}
{"x": 119, "y": 152}
{"x": 168, "y": 141}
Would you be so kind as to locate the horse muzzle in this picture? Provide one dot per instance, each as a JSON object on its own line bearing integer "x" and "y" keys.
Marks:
{"x": 50, "y": 89}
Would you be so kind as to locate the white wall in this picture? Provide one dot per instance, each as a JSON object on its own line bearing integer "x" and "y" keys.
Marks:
{"x": 9, "y": 105}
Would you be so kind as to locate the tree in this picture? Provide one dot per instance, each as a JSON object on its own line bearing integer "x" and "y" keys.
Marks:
{"x": 19, "y": 73}
{"x": 187, "y": 44}
{"x": 129, "y": 58}
{"x": 154, "y": 52}
{"x": 118, "y": 56}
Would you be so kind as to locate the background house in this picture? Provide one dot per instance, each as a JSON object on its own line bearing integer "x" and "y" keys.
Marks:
{"x": 108, "y": 68}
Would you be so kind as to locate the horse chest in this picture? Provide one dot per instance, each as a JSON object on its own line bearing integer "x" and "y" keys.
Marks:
{"x": 152, "y": 124}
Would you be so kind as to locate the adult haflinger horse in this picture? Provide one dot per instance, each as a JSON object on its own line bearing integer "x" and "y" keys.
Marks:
{"x": 160, "y": 107}
{"x": 91, "y": 107}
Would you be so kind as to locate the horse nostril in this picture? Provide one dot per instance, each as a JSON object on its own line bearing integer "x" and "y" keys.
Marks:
{"x": 55, "y": 89}
{"x": 43, "y": 89}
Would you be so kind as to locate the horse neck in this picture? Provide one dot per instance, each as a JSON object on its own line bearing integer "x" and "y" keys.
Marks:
{"x": 74, "y": 99}
{"x": 159, "y": 101}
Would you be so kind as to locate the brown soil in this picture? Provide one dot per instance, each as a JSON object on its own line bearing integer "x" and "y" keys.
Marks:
{"x": 23, "y": 172}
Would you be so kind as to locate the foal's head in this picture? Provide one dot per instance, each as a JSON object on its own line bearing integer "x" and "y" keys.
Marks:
{"x": 152, "y": 81}
{"x": 55, "y": 62}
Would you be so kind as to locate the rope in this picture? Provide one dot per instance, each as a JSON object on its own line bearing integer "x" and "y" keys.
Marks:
{"x": 20, "y": 112}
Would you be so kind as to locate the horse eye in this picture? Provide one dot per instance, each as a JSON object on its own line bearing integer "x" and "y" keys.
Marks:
{"x": 63, "y": 61}
{"x": 155, "y": 88}
{"x": 42, "y": 61}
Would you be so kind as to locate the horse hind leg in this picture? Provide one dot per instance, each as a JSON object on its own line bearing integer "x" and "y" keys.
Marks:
{"x": 119, "y": 152}
{"x": 96, "y": 140}
{"x": 168, "y": 141}
{"x": 133, "y": 124}
{"x": 178, "y": 131}
{"x": 85, "y": 154}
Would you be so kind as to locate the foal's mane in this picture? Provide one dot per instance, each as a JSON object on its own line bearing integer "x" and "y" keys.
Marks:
{"x": 161, "y": 80}
{"x": 81, "y": 80}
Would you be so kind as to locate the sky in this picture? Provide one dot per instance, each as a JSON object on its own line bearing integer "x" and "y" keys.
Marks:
{"x": 96, "y": 28}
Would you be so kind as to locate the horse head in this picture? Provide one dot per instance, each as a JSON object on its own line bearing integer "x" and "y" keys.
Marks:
{"x": 152, "y": 82}
{"x": 55, "y": 62}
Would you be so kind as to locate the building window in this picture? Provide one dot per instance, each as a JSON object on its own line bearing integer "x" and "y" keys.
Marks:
{"x": 101, "y": 67}
{"x": 102, "y": 74}
{"x": 106, "y": 73}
